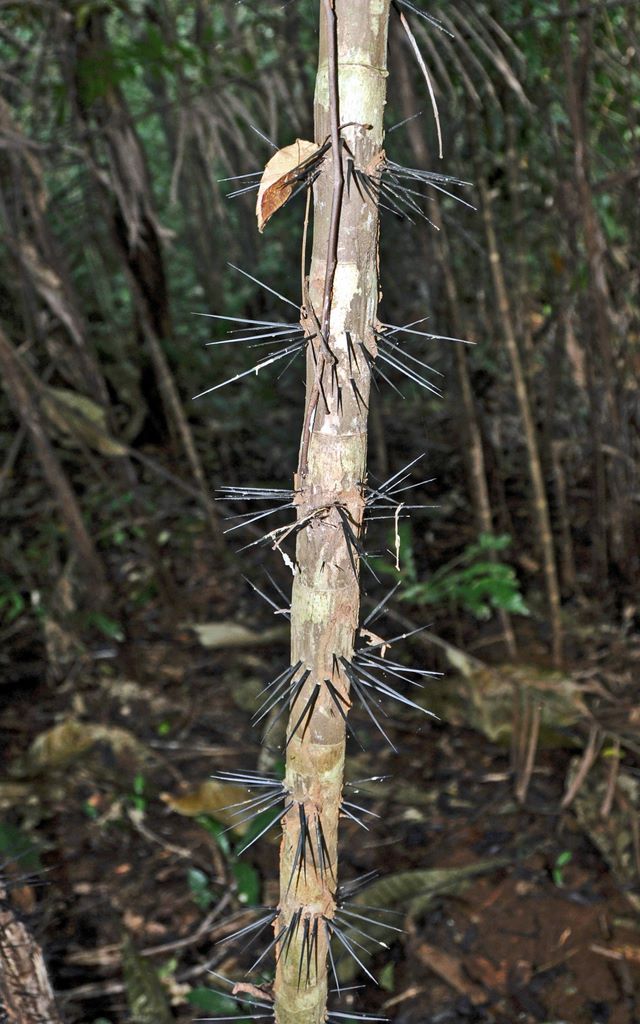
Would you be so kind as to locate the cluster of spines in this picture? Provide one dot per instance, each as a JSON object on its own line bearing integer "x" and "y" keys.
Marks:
{"x": 342, "y": 924}
{"x": 370, "y": 675}
{"x": 380, "y": 501}
{"x": 255, "y": 1004}
{"x": 369, "y": 678}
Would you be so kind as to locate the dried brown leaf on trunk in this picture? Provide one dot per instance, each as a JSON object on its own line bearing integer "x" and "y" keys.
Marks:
{"x": 280, "y": 178}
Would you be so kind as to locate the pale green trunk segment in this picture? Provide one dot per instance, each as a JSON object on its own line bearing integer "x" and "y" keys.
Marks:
{"x": 326, "y": 594}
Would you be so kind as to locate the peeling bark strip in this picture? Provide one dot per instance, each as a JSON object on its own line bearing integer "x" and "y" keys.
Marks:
{"x": 343, "y": 295}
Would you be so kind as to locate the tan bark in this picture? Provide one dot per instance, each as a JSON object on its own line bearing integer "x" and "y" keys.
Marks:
{"x": 330, "y": 482}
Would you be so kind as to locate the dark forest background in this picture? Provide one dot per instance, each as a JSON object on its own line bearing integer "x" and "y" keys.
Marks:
{"x": 120, "y": 125}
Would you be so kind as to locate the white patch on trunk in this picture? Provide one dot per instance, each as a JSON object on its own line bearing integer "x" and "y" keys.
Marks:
{"x": 346, "y": 285}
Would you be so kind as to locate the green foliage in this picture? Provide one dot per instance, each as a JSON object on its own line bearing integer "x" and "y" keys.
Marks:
{"x": 90, "y": 811}
{"x": 256, "y": 826}
{"x": 105, "y": 625}
{"x": 474, "y": 581}
{"x": 137, "y": 797}
{"x": 561, "y": 862}
{"x": 213, "y": 1002}
{"x": 199, "y": 888}
{"x": 386, "y": 977}
{"x": 248, "y": 883}
{"x": 12, "y": 602}
{"x": 147, "y": 999}
{"x": 246, "y": 877}
{"x": 218, "y": 831}
{"x": 17, "y": 847}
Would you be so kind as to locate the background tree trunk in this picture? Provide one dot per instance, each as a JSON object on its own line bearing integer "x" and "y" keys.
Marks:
{"x": 127, "y": 193}
{"x": 29, "y": 414}
{"x": 540, "y": 503}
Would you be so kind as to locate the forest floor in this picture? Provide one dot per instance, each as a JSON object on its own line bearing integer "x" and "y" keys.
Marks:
{"x": 512, "y": 913}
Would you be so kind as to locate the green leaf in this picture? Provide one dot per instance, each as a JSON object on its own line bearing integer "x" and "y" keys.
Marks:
{"x": 493, "y": 542}
{"x": 169, "y": 968}
{"x": 255, "y": 828}
{"x": 386, "y": 977}
{"x": 106, "y": 626}
{"x": 248, "y": 882}
{"x": 216, "y": 1003}
{"x": 19, "y": 847}
{"x": 473, "y": 582}
{"x": 137, "y": 798}
{"x": 561, "y": 862}
{"x": 12, "y": 603}
{"x": 199, "y": 888}
{"x": 90, "y": 811}
{"x": 218, "y": 831}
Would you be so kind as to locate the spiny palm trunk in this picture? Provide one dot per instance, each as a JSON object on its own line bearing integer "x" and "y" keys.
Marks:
{"x": 326, "y": 598}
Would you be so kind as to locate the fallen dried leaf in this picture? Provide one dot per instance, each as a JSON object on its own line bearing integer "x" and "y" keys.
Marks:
{"x": 214, "y": 798}
{"x": 485, "y": 971}
{"x": 450, "y": 969}
{"x": 133, "y": 922}
{"x": 81, "y": 419}
{"x": 69, "y": 740}
{"x": 232, "y": 634}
